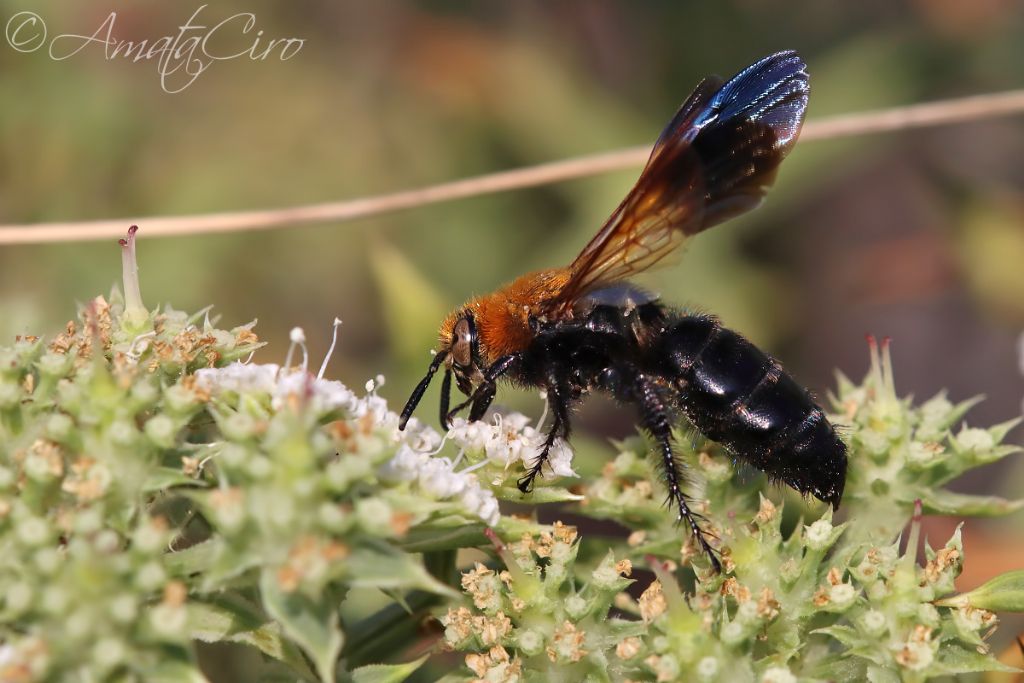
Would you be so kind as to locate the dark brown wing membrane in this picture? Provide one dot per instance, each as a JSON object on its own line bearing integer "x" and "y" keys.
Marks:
{"x": 715, "y": 160}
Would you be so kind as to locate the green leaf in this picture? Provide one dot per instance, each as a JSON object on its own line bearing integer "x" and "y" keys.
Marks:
{"x": 169, "y": 671}
{"x": 378, "y": 568}
{"x": 313, "y": 624}
{"x": 222, "y": 617}
{"x": 386, "y": 673}
{"x": 542, "y": 494}
{"x": 163, "y": 478}
{"x": 878, "y": 674}
{"x": 954, "y": 659}
{"x": 229, "y": 355}
{"x": 959, "y": 410}
{"x": 942, "y": 502}
{"x": 846, "y": 635}
{"x": 1000, "y": 430}
{"x": 840, "y": 669}
{"x": 230, "y": 618}
{"x": 195, "y": 559}
{"x": 423, "y": 539}
{"x": 381, "y": 635}
{"x": 1004, "y": 593}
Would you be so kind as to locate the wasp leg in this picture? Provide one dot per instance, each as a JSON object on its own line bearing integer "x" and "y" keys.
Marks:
{"x": 487, "y": 386}
{"x": 655, "y": 418}
{"x": 482, "y": 402}
{"x": 560, "y": 428}
{"x": 446, "y": 397}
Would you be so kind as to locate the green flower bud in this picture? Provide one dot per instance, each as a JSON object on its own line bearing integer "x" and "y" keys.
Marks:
{"x": 124, "y": 608}
{"x": 169, "y": 621}
{"x": 818, "y": 536}
{"x": 161, "y": 430}
{"x": 733, "y": 633}
{"x": 374, "y": 515}
{"x": 707, "y": 668}
{"x": 107, "y": 542}
{"x": 975, "y": 440}
{"x": 19, "y": 597}
{"x": 69, "y": 396}
{"x": 108, "y": 653}
{"x": 150, "y": 576}
{"x": 89, "y": 521}
{"x": 55, "y": 600}
{"x": 47, "y": 560}
{"x": 149, "y": 538}
{"x": 238, "y": 426}
{"x": 59, "y": 427}
{"x": 33, "y": 531}
{"x": 667, "y": 668}
{"x": 79, "y": 624}
{"x": 123, "y": 433}
{"x": 10, "y": 395}
{"x": 233, "y": 455}
{"x": 576, "y": 607}
{"x": 530, "y": 642}
{"x": 873, "y": 623}
{"x": 38, "y": 468}
{"x": 55, "y": 365}
{"x": 144, "y": 395}
{"x": 7, "y": 478}
{"x": 259, "y": 467}
{"x": 179, "y": 399}
{"x": 778, "y": 674}
{"x": 928, "y": 615}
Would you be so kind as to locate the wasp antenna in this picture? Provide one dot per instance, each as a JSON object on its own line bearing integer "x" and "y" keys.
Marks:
{"x": 418, "y": 392}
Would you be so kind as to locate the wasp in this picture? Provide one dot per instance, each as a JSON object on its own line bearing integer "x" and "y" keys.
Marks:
{"x": 585, "y": 328}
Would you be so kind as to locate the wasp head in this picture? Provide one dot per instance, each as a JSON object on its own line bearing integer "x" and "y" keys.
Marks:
{"x": 463, "y": 349}
{"x": 460, "y": 353}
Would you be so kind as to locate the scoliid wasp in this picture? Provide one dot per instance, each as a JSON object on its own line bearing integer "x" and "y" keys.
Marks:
{"x": 584, "y": 328}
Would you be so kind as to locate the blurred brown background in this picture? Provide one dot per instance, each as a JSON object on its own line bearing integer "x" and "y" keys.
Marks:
{"x": 917, "y": 235}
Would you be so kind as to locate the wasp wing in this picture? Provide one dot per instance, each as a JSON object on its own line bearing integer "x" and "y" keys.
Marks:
{"x": 716, "y": 159}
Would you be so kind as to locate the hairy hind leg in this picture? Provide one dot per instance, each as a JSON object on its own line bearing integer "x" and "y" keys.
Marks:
{"x": 655, "y": 418}
{"x": 559, "y": 428}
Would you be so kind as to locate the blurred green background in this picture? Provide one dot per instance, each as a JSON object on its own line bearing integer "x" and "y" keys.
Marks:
{"x": 917, "y": 235}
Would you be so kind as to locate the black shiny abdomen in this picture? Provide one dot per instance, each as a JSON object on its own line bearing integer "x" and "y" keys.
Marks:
{"x": 728, "y": 389}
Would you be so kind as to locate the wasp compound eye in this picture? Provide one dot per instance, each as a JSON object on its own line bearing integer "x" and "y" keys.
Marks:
{"x": 462, "y": 343}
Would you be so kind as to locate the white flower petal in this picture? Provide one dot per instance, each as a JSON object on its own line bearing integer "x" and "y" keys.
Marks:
{"x": 239, "y": 377}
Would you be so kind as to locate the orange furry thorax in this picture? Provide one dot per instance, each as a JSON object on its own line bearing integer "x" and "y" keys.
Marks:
{"x": 503, "y": 316}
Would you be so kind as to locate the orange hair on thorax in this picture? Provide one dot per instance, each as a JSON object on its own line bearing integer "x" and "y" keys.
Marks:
{"x": 503, "y": 317}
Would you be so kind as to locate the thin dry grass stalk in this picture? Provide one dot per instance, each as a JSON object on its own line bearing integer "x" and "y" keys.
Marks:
{"x": 942, "y": 112}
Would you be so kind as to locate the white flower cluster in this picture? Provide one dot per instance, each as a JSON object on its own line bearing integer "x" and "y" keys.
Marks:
{"x": 438, "y": 478}
{"x": 283, "y": 383}
{"x": 509, "y": 440}
{"x": 505, "y": 442}
{"x": 268, "y": 378}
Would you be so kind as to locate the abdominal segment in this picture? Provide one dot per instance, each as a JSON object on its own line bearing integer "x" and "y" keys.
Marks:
{"x": 731, "y": 391}
{"x": 737, "y": 395}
